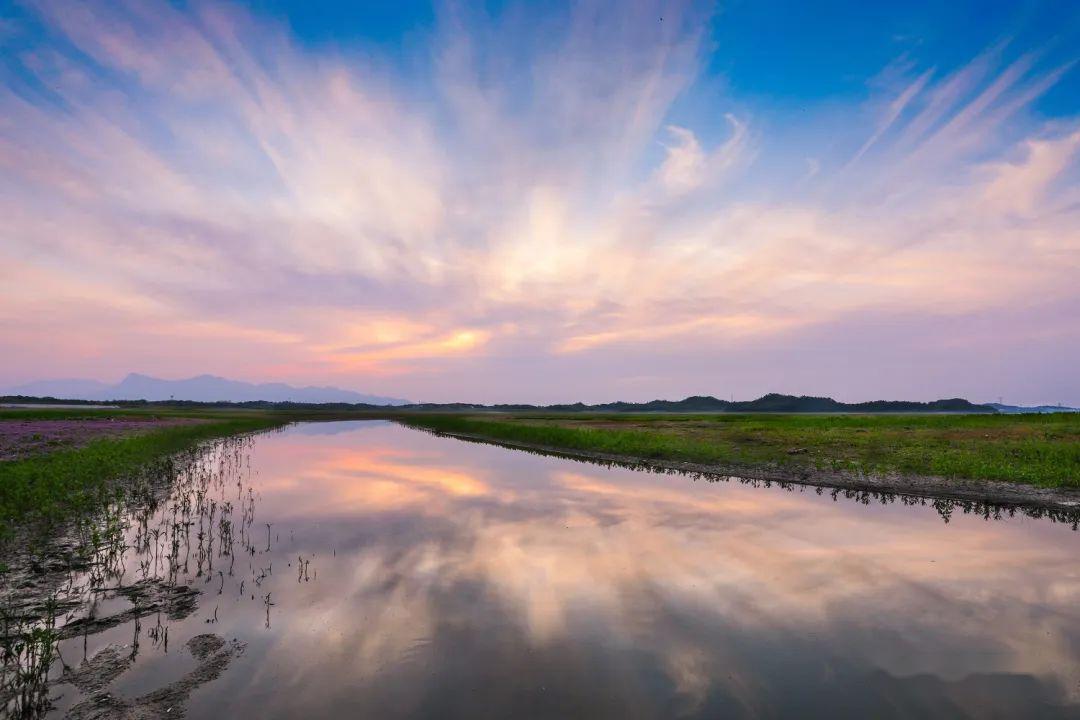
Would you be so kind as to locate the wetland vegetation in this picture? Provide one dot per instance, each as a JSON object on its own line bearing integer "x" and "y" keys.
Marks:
{"x": 109, "y": 563}
{"x": 83, "y": 468}
{"x": 360, "y": 568}
{"x": 1042, "y": 451}
{"x": 55, "y": 475}
{"x": 112, "y": 517}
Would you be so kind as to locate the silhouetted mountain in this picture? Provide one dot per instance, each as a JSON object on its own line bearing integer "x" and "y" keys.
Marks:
{"x": 772, "y": 402}
{"x": 209, "y": 390}
{"x": 203, "y": 388}
{"x": 790, "y": 403}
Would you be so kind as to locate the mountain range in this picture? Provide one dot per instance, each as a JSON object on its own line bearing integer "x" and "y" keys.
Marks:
{"x": 214, "y": 389}
{"x": 202, "y": 388}
{"x": 773, "y": 402}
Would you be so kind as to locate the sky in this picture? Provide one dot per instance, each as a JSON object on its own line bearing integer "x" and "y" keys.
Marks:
{"x": 545, "y": 202}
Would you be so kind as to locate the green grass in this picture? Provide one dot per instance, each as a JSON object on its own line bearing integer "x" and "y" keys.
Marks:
{"x": 1042, "y": 450}
{"x": 67, "y": 482}
{"x": 49, "y": 487}
{"x": 48, "y": 413}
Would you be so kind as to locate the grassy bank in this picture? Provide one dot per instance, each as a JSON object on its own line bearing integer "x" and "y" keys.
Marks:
{"x": 59, "y": 484}
{"x": 1040, "y": 450}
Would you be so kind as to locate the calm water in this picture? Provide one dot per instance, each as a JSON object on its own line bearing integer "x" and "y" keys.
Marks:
{"x": 416, "y": 576}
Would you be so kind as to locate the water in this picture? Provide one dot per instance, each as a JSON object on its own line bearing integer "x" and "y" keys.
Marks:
{"x": 410, "y": 575}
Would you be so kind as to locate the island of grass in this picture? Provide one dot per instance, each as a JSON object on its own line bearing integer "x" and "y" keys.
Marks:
{"x": 1031, "y": 460}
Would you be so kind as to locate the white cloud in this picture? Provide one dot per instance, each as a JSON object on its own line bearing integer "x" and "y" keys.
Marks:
{"x": 684, "y": 167}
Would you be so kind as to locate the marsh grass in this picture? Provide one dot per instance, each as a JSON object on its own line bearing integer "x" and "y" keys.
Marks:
{"x": 181, "y": 520}
{"x": 1041, "y": 450}
{"x": 48, "y": 488}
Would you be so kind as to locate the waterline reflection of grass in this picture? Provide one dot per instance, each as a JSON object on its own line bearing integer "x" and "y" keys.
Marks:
{"x": 1040, "y": 450}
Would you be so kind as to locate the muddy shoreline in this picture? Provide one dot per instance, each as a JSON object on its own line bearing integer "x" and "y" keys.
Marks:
{"x": 120, "y": 566}
{"x": 984, "y": 492}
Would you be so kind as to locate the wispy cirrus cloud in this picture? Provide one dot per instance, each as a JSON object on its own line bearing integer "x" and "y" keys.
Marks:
{"x": 199, "y": 177}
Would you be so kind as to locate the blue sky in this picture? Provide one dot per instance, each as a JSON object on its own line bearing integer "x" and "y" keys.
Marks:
{"x": 545, "y": 202}
{"x": 774, "y": 50}
{"x": 813, "y": 51}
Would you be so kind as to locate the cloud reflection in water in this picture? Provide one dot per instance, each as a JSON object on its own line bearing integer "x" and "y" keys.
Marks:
{"x": 458, "y": 579}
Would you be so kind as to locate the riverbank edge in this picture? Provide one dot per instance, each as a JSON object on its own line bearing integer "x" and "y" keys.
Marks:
{"x": 1001, "y": 493}
{"x": 165, "y": 442}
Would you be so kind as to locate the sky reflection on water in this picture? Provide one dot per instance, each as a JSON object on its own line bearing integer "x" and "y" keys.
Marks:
{"x": 451, "y": 579}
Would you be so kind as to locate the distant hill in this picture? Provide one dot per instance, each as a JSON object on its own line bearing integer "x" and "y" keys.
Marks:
{"x": 789, "y": 403}
{"x": 772, "y": 402}
{"x": 216, "y": 391}
{"x": 203, "y": 388}
{"x": 1014, "y": 409}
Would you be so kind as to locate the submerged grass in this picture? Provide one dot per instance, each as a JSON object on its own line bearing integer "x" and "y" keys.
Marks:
{"x": 50, "y": 487}
{"x": 1040, "y": 450}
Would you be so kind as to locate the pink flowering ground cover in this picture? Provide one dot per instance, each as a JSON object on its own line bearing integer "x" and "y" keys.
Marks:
{"x": 24, "y": 438}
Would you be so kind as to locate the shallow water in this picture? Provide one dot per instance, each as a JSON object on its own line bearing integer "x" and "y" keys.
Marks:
{"x": 411, "y": 575}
